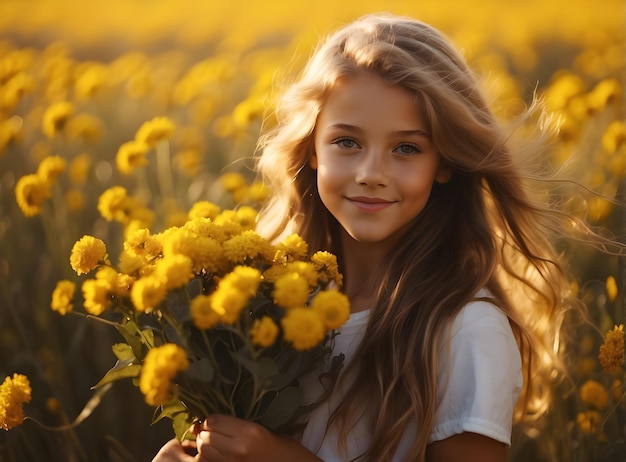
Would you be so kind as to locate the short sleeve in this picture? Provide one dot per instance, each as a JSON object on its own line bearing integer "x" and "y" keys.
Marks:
{"x": 480, "y": 375}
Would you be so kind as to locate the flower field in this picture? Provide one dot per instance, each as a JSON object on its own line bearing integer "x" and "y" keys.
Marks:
{"x": 126, "y": 117}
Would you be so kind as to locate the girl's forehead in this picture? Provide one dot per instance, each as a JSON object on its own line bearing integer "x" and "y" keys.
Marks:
{"x": 366, "y": 100}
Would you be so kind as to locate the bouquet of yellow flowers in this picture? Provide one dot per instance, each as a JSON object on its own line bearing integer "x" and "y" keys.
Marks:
{"x": 215, "y": 318}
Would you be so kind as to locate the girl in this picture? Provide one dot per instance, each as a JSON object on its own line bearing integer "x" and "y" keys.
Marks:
{"x": 386, "y": 154}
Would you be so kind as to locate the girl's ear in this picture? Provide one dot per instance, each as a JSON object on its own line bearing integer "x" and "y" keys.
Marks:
{"x": 444, "y": 173}
{"x": 313, "y": 161}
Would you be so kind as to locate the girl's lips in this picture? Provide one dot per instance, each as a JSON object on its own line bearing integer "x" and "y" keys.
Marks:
{"x": 369, "y": 204}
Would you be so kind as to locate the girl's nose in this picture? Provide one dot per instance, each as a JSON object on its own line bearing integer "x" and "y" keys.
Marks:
{"x": 372, "y": 169}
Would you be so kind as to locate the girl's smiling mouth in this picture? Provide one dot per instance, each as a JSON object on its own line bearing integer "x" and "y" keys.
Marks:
{"x": 369, "y": 204}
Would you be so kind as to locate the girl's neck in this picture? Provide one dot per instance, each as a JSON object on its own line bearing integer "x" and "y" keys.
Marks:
{"x": 361, "y": 262}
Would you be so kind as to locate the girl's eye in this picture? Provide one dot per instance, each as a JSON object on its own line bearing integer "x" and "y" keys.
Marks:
{"x": 407, "y": 149}
{"x": 346, "y": 143}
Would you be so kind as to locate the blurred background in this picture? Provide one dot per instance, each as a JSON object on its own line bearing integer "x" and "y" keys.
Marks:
{"x": 211, "y": 68}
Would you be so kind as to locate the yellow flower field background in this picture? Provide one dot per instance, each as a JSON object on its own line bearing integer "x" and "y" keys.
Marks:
{"x": 159, "y": 104}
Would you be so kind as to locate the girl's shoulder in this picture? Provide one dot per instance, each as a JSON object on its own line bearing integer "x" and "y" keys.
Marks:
{"x": 481, "y": 314}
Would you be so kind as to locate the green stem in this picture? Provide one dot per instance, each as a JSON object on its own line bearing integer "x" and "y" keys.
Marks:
{"x": 164, "y": 172}
{"x": 210, "y": 352}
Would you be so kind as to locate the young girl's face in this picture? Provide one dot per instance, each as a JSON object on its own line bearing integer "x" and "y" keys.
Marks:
{"x": 375, "y": 160}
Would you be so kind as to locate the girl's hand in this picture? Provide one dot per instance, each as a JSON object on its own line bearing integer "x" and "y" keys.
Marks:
{"x": 175, "y": 451}
{"x": 224, "y": 438}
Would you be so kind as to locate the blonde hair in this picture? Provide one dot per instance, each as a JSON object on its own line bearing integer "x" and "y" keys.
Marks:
{"x": 482, "y": 229}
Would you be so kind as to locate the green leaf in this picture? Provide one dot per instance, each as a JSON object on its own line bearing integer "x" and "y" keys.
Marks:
{"x": 123, "y": 369}
{"x": 181, "y": 419}
{"x": 173, "y": 407}
{"x": 282, "y": 408}
{"x": 130, "y": 332}
{"x": 262, "y": 369}
{"x": 123, "y": 351}
{"x": 147, "y": 336}
{"x": 201, "y": 370}
{"x": 277, "y": 382}
{"x": 181, "y": 423}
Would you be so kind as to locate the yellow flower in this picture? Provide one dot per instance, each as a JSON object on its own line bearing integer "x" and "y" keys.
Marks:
{"x": 133, "y": 264}
{"x": 205, "y": 227}
{"x": 155, "y": 130}
{"x": 204, "y": 209}
{"x": 333, "y": 308}
{"x": 138, "y": 216}
{"x": 51, "y": 167}
{"x": 160, "y": 367}
{"x": 303, "y": 328}
{"x": 304, "y": 269}
{"x": 228, "y": 221}
{"x": 175, "y": 269}
{"x": 53, "y": 405}
{"x": 245, "y": 279}
{"x": 178, "y": 241}
{"x": 209, "y": 256}
{"x": 617, "y": 390}
{"x": 228, "y": 301}
{"x": 604, "y": 93}
{"x": 14, "y": 392}
{"x": 232, "y": 181}
{"x": 131, "y": 155}
{"x": 612, "y": 351}
{"x": 202, "y": 313}
{"x": 274, "y": 272}
{"x": 586, "y": 366}
{"x": 264, "y": 332}
{"x": 325, "y": 264}
{"x": 611, "y": 288}
{"x": 87, "y": 253}
{"x": 175, "y": 217}
{"x": 97, "y": 295}
{"x": 246, "y": 216}
{"x": 594, "y": 394}
{"x": 79, "y": 168}
{"x": 63, "y": 297}
{"x": 55, "y": 118}
{"x": 614, "y": 136}
{"x": 188, "y": 161}
{"x": 258, "y": 192}
{"x": 113, "y": 204}
{"x": 84, "y": 127}
{"x": 248, "y": 246}
{"x": 616, "y": 163}
{"x": 90, "y": 80}
{"x": 565, "y": 86}
{"x": 598, "y": 208}
{"x": 206, "y": 253}
{"x": 141, "y": 243}
{"x": 10, "y": 131}
{"x": 14, "y": 89}
{"x": 240, "y": 195}
{"x": 75, "y": 200}
{"x": 589, "y": 422}
{"x": 147, "y": 293}
{"x": 293, "y": 247}
{"x": 119, "y": 283}
{"x": 30, "y": 193}
{"x": 290, "y": 290}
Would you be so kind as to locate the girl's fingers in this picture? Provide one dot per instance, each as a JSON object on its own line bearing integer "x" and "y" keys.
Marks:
{"x": 210, "y": 446}
{"x": 225, "y": 424}
{"x": 173, "y": 451}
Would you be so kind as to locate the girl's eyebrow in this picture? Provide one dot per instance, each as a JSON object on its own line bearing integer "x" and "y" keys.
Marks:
{"x": 355, "y": 129}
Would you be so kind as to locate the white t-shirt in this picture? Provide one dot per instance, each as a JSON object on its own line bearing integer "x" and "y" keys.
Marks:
{"x": 483, "y": 386}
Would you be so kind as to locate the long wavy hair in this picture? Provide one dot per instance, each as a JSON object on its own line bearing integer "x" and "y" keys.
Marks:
{"x": 491, "y": 226}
